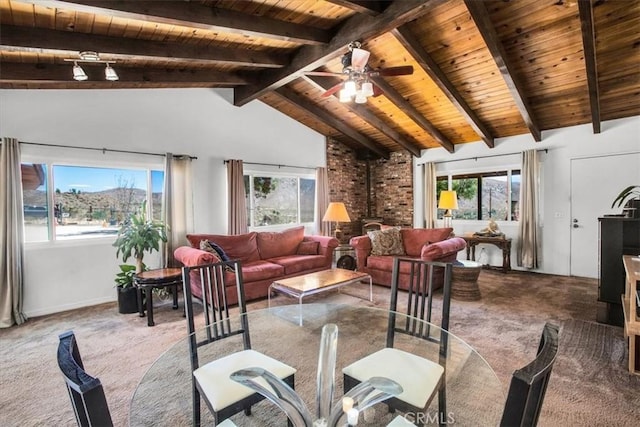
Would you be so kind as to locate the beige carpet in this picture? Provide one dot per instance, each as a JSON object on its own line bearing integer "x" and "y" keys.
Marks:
{"x": 589, "y": 385}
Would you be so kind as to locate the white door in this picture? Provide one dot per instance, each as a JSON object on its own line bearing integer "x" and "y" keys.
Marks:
{"x": 595, "y": 183}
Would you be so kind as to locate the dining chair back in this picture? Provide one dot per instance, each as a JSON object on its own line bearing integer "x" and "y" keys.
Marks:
{"x": 422, "y": 316}
{"x": 221, "y": 321}
{"x": 529, "y": 384}
{"x": 86, "y": 392}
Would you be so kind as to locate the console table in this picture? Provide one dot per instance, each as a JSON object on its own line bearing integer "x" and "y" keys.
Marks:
{"x": 501, "y": 242}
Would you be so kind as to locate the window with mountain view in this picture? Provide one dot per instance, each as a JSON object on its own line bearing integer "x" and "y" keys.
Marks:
{"x": 278, "y": 200}
{"x": 486, "y": 195}
{"x": 84, "y": 202}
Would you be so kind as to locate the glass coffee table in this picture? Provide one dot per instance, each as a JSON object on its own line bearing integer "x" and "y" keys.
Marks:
{"x": 319, "y": 281}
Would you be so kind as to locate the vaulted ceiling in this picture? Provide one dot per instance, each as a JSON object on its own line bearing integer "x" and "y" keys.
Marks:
{"x": 482, "y": 69}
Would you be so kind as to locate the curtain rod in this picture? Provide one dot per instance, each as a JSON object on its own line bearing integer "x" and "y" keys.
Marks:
{"x": 104, "y": 150}
{"x": 546, "y": 150}
{"x": 273, "y": 164}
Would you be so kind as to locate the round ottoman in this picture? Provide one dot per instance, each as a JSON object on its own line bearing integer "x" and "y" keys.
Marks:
{"x": 464, "y": 280}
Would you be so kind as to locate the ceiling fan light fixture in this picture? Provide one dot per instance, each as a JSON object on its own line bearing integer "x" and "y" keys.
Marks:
{"x": 367, "y": 89}
{"x": 344, "y": 96}
{"x": 361, "y": 98}
{"x": 110, "y": 74}
{"x": 350, "y": 87}
{"x": 78, "y": 73}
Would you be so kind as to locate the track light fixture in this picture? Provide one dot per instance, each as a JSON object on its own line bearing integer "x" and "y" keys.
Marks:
{"x": 110, "y": 74}
{"x": 78, "y": 72}
{"x": 91, "y": 57}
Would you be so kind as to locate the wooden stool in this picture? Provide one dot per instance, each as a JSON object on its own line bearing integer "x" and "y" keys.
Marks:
{"x": 464, "y": 280}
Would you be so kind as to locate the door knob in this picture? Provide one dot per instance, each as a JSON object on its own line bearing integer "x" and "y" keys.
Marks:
{"x": 576, "y": 225}
{"x": 575, "y": 220}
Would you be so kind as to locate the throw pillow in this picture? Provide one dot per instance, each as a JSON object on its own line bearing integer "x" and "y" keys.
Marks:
{"x": 207, "y": 246}
{"x": 308, "y": 248}
{"x": 386, "y": 242}
{"x": 221, "y": 252}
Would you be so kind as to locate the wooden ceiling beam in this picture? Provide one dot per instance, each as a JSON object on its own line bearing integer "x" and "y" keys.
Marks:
{"x": 331, "y": 121}
{"x": 358, "y": 27}
{"x": 585, "y": 8}
{"x": 15, "y": 72}
{"x": 480, "y": 16}
{"x": 369, "y": 7}
{"x": 411, "y": 44}
{"x": 396, "y": 97}
{"x": 366, "y": 115}
{"x": 30, "y": 39}
{"x": 195, "y": 15}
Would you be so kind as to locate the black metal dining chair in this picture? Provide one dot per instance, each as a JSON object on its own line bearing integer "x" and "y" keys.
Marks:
{"x": 420, "y": 378}
{"x": 86, "y": 392}
{"x": 529, "y": 384}
{"x": 211, "y": 380}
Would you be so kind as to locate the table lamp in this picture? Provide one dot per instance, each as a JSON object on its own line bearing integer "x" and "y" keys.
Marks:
{"x": 448, "y": 201}
{"x": 336, "y": 212}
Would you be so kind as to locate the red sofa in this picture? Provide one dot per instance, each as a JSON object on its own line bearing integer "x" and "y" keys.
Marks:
{"x": 265, "y": 257}
{"x": 432, "y": 244}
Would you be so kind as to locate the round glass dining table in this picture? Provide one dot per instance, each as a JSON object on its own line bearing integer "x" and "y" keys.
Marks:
{"x": 474, "y": 394}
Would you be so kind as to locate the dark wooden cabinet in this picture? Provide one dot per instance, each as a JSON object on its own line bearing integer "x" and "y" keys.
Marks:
{"x": 618, "y": 236}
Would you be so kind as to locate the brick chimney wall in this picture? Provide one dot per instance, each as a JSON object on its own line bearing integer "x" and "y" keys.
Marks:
{"x": 391, "y": 187}
{"x": 347, "y": 184}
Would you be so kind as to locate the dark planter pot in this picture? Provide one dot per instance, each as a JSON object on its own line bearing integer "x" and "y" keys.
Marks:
{"x": 127, "y": 300}
{"x": 632, "y": 208}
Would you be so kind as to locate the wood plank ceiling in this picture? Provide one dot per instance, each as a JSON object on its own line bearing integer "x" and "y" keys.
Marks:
{"x": 482, "y": 69}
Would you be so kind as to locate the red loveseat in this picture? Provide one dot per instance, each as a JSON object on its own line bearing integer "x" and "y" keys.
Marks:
{"x": 265, "y": 257}
{"x": 432, "y": 244}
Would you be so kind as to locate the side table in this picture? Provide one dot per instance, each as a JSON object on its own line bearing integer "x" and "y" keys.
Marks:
{"x": 464, "y": 280}
{"x": 156, "y": 279}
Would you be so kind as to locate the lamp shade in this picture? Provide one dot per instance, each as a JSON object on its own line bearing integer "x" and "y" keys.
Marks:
{"x": 448, "y": 200}
{"x": 336, "y": 212}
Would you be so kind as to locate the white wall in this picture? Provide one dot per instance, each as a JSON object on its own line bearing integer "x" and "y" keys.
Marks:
{"x": 617, "y": 137}
{"x": 199, "y": 122}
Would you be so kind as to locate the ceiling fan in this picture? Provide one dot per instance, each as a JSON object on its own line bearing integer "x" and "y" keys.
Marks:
{"x": 358, "y": 85}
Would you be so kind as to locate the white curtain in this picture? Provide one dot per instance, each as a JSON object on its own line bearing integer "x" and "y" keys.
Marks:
{"x": 11, "y": 234}
{"x": 528, "y": 229}
{"x": 322, "y": 201}
{"x": 430, "y": 202}
{"x": 237, "y": 198}
{"x": 177, "y": 205}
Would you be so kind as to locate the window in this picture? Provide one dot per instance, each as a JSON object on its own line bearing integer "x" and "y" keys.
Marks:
{"x": 484, "y": 195}
{"x": 279, "y": 199}
{"x": 86, "y": 201}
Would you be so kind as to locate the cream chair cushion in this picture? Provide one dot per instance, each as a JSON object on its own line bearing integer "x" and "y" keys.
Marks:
{"x": 220, "y": 390}
{"x": 418, "y": 376}
{"x": 400, "y": 421}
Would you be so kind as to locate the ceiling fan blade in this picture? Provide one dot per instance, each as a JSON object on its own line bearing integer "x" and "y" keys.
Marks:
{"x": 394, "y": 71}
{"x": 323, "y": 73}
{"x": 377, "y": 91}
{"x": 332, "y": 90}
{"x": 359, "y": 58}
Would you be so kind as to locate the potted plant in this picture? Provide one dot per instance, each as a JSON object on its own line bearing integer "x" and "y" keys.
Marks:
{"x": 127, "y": 294}
{"x": 136, "y": 236}
{"x": 630, "y": 196}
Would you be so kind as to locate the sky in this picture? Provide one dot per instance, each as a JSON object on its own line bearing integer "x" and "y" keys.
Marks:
{"x": 88, "y": 179}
